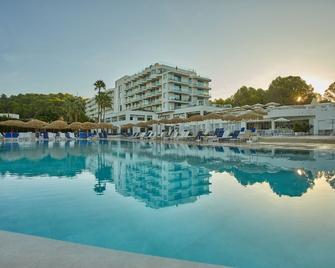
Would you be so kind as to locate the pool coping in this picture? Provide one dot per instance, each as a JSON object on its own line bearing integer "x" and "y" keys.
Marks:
{"x": 22, "y": 250}
{"x": 284, "y": 144}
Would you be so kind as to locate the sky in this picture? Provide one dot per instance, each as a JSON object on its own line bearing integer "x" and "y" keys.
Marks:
{"x": 52, "y": 46}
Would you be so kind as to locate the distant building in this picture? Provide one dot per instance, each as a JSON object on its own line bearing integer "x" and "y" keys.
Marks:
{"x": 8, "y": 115}
{"x": 92, "y": 107}
{"x": 159, "y": 91}
{"x": 321, "y": 116}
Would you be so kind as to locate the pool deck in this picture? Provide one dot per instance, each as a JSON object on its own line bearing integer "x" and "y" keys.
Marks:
{"x": 299, "y": 143}
{"x": 20, "y": 250}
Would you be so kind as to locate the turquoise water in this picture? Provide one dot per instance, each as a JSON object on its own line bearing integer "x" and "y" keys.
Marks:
{"x": 222, "y": 205}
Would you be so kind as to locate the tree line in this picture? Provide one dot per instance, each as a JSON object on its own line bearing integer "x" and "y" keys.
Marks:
{"x": 288, "y": 90}
{"x": 46, "y": 107}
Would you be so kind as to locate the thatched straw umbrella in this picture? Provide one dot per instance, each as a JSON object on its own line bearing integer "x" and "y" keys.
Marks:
{"x": 195, "y": 118}
{"x": 35, "y": 124}
{"x": 89, "y": 126}
{"x": 141, "y": 124}
{"x": 127, "y": 126}
{"x": 260, "y": 111}
{"x": 105, "y": 126}
{"x": 272, "y": 104}
{"x": 164, "y": 121}
{"x": 250, "y": 116}
{"x": 12, "y": 123}
{"x": 229, "y": 117}
{"x": 153, "y": 122}
{"x": 57, "y": 125}
{"x": 177, "y": 120}
{"x": 75, "y": 126}
{"x": 212, "y": 116}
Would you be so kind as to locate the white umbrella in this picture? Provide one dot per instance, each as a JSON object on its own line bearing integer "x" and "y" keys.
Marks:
{"x": 282, "y": 119}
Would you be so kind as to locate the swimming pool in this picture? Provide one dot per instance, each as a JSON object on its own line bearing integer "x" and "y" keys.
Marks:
{"x": 222, "y": 205}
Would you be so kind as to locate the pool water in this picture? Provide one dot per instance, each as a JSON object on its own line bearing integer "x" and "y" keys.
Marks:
{"x": 221, "y": 205}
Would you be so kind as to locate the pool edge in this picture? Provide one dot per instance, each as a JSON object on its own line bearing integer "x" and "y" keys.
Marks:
{"x": 21, "y": 250}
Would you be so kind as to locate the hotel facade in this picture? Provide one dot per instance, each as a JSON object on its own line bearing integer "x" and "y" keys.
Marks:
{"x": 158, "y": 92}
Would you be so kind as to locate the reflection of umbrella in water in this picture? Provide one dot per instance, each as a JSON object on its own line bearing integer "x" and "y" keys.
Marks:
{"x": 58, "y": 153}
{"x": 11, "y": 155}
{"x": 35, "y": 154}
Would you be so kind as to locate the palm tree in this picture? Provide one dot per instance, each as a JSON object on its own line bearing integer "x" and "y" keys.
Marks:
{"x": 99, "y": 85}
{"x": 74, "y": 109}
{"x": 103, "y": 101}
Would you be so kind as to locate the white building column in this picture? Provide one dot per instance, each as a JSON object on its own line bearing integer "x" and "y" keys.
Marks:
{"x": 315, "y": 127}
{"x": 273, "y": 125}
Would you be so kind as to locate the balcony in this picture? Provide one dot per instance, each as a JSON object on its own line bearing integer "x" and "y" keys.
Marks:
{"x": 179, "y": 81}
{"x": 180, "y": 90}
{"x": 201, "y": 85}
{"x": 180, "y": 100}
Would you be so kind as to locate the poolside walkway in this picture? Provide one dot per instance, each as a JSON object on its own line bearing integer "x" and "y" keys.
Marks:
{"x": 304, "y": 142}
{"x": 19, "y": 250}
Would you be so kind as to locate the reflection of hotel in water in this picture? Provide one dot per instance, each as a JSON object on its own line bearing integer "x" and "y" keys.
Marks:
{"x": 163, "y": 175}
{"x": 160, "y": 183}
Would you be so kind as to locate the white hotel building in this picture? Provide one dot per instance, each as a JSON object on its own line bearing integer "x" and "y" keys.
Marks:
{"x": 159, "y": 91}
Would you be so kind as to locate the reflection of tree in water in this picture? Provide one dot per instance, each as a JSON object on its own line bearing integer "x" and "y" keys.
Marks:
{"x": 329, "y": 176}
{"x": 283, "y": 182}
{"x": 68, "y": 166}
{"x": 145, "y": 179}
{"x": 103, "y": 174}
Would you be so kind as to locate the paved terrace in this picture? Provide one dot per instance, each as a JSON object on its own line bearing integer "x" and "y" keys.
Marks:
{"x": 19, "y": 250}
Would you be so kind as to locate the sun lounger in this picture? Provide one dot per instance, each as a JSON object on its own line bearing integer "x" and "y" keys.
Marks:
{"x": 169, "y": 135}
{"x": 62, "y": 136}
{"x": 175, "y": 135}
{"x": 161, "y": 135}
{"x": 52, "y": 136}
{"x": 234, "y": 136}
{"x": 218, "y": 135}
{"x": 149, "y": 135}
{"x": 184, "y": 135}
{"x": 154, "y": 135}
{"x": 200, "y": 136}
{"x": 72, "y": 136}
{"x": 11, "y": 135}
{"x": 244, "y": 136}
{"x": 83, "y": 135}
{"x": 142, "y": 135}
